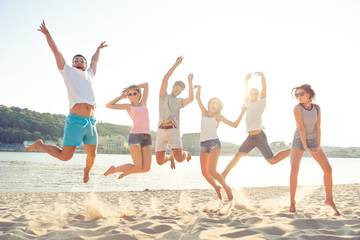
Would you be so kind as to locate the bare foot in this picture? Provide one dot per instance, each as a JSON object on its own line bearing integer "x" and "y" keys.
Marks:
{"x": 172, "y": 162}
{"x": 109, "y": 171}
{"x": 292, "y": 207}
{"x": 229, "y": 193}
{"x": 188, "y": 156}
{"x": 35, "y": 146}
{"x": 332, "y": 205}
{"x": 218, "y": 192}
{"x": 86, "y": 175}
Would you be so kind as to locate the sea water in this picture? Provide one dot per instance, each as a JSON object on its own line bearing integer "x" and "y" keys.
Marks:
{"x": 39, "y": 172}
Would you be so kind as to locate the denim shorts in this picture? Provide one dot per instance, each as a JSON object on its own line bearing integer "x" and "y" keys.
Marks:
{"x": 80, "y": 129}
{"x": 259, "y": 141}
{"x": 311, "y": 143}
{"x": 141, "y": 139}
{"x": 209, "y": 145}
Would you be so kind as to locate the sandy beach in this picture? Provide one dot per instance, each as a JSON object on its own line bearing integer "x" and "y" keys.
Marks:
{"x": 257, "y": 213}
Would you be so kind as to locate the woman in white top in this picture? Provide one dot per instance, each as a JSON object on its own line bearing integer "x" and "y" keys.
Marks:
{"x": 210, "y": 143}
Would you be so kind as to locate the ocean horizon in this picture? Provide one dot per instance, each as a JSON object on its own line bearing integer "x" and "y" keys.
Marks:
{"x": 39, "y": 172}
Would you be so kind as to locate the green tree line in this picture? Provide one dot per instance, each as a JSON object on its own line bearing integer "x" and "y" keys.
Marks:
{"x": 20, "y": 124}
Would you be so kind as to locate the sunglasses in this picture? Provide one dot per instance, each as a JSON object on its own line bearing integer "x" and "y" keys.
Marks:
{"x": 132, "y": 94}
{"x": 299, "y": 94}
{"x": 177, "y": 90}
{"x": 77, "y": 60}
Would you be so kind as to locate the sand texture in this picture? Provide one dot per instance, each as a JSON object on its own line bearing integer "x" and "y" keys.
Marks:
{"x": 256, "y": 213}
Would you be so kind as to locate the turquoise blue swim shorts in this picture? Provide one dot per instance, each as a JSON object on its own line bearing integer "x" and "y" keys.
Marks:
{"x": 80, "y": 129}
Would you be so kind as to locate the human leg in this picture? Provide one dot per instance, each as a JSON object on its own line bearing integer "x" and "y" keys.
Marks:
{"x": 160, "y": 148}
{"x": 232, "y": 164}
{"x": 90, "y": 159}
{"x": 137, "y": 167}
{"x": 180, "y": 155}
{"x": 64, "y": 154}
{"x": 281, "y": 155}
{"x": 295, "y": 158}
{"x": 246, "y": 147}
{"x": 322, "y": 160}
{"x": 204, "y": 162}
{"x": 214, "y": 157}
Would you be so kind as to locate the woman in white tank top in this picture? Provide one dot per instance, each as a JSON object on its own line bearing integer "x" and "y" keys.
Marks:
{"x": 210, "y": 143}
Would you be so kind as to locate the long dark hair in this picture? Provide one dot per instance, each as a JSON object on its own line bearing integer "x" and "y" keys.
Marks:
{"x": 307, "y": 88}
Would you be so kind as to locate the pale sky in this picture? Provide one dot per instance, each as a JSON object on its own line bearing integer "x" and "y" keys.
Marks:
{"x": 291, "y": 42}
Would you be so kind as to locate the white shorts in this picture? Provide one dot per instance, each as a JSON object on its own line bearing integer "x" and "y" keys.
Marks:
{"x": 165, "y": 136}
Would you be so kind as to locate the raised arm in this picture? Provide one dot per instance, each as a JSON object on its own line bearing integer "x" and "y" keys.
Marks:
{"x": 198, "y": 92}
{"x": 188, "y": 100}
{"x": 263, "y": 84}
{"x": 60, "y": 61}
{"x": 230, "y": 123}
{"x": 165, "y": 81}
{"x": 113, "y": 103}
{"x": 95, "y": 58}
{"x": 246, "y": 88}
{"x": 145, "y": 95}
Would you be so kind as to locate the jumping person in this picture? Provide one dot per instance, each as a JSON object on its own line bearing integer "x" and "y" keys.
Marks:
{"x": 169, "y": 119}
{"x": 140, "y": 135}
{"x": 210, "y": 143}
{"x": 253, "y": 120}
{"x": 307, "y": 137}
{"x": 80, "y": 123}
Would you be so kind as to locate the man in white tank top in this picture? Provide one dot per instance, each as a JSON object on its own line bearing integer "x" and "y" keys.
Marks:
{"x": 80, "y": 124}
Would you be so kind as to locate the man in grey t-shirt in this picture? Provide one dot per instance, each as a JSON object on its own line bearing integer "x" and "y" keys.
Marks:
{"x": 169, "y": 119}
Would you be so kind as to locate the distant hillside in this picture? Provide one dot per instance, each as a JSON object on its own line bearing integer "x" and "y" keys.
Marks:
{"x": 18, "y": 125}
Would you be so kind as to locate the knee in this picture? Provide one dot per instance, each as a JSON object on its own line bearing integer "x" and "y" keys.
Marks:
{"x": 328, "y": 170}
{"x": 146, "y": 169}
{"x": 66, "y": 157}
{"x": 91, "y": 155}
{"x": 212, "y": 173}
{"x": 178, "y": 156}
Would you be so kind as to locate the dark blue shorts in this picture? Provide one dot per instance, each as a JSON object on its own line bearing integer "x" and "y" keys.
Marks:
{"x": 141, "y": 139}
{"x": 209, "y": 145}
{"x": 259, "y": 141}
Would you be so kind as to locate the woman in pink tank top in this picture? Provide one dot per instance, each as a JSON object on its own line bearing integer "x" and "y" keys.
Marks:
{"x": 139, "y": 138}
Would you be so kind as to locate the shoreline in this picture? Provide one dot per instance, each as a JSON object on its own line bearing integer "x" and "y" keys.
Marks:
{"x": 256, "y": 213}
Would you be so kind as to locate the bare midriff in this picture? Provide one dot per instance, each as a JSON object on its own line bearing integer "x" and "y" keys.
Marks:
{"x": 83, "y": 110}
{"x": 255, "y": 132}
{"x": 167, "y": 124}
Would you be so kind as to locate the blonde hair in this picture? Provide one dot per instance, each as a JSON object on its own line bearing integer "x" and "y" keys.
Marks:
{"x": 136, "y": 88}
{"x": 221, "y": 105}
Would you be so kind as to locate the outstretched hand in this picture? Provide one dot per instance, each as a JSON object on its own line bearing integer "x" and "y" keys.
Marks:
{"x": 258, "y": 73}
{"x": 43, "y": 29}
{"x": 102, "y": 45}
{"x": 191, "y": 77}
{"x": 248, "y": 76}
{"x": 179, "y": 60}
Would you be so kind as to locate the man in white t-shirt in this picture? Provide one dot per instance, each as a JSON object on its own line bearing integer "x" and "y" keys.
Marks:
{"x": 80, "y": 123}
{"x": 253, "y": 120}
